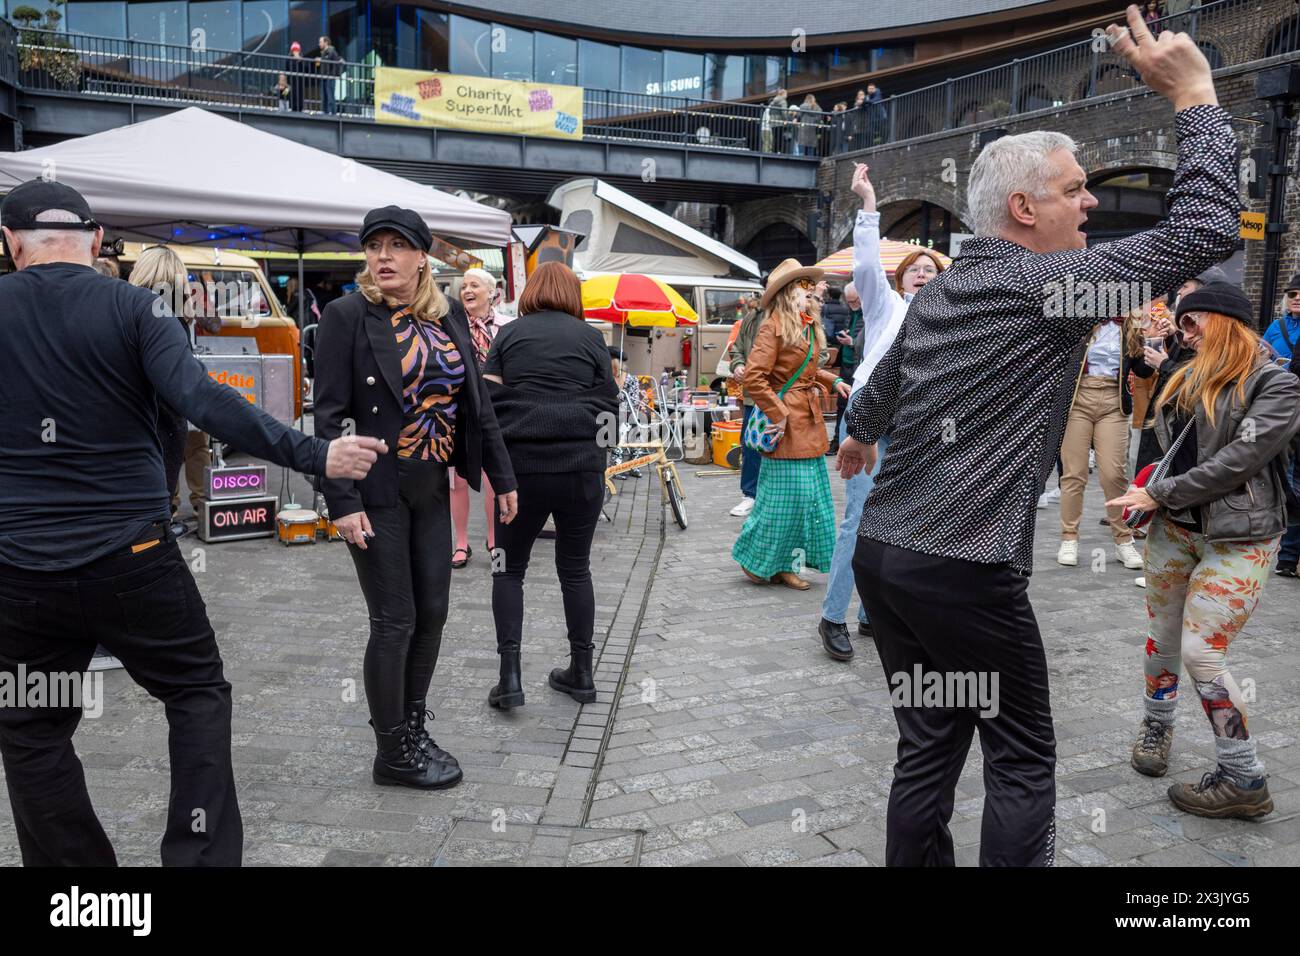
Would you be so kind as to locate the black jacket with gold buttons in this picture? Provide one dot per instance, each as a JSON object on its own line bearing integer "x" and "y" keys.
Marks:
{"x": 359, "y": 382}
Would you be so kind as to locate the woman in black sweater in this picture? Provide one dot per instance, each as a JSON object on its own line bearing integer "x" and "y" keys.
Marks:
{"x": 549, "y": 377}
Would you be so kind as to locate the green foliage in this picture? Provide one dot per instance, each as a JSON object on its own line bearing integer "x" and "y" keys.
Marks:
{"x": 41, "y": 48}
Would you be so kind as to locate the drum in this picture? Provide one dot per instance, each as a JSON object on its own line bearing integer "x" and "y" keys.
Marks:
{"x": 296, "y": 526}
{"x": 325, "y": 528}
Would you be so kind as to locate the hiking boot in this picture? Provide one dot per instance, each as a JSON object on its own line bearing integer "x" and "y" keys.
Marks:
{"x": 1218, "y": 796}
{"x": 1151, "y": 752}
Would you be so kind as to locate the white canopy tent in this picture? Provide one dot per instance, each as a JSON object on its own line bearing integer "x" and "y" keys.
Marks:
{"x": 197, "y": 178}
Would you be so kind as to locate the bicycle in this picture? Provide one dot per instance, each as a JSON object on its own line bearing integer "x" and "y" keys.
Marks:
{"x": 670, "y": 484}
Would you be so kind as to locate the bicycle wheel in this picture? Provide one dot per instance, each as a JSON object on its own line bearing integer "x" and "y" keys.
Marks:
{"x": 675, "y": 497}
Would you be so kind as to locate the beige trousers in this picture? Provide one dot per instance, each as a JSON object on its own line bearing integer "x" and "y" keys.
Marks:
{"x": 1096, "y": 421}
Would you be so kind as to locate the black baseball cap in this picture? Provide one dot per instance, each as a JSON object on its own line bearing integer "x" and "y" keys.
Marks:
{"x": 404, "y": 222}
{"x": 28, "y": 200}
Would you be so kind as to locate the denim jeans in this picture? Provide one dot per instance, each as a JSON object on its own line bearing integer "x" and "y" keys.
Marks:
{"x": 749, "y": 459}
{"x": 839, "y": 585}
{"x": 1290, "y": 552}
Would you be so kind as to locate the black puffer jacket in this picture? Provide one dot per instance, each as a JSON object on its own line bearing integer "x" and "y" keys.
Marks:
{"x": 554, "y": 432}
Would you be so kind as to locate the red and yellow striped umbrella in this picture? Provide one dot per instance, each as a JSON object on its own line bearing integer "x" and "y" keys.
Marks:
{"x": 892, "y": 253}
{"x": 634, "y": 299}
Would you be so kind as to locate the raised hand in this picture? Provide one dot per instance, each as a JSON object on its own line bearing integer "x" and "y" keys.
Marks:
{"x": 1172, "y": 65}
{"x": 862, "y": 187}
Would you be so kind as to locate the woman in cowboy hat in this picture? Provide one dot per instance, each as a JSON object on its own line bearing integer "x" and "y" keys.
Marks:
{"x": 792, "y": 524}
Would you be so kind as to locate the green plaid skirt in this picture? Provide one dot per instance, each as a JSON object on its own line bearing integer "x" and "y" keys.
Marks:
{"x": 792, "y": 526}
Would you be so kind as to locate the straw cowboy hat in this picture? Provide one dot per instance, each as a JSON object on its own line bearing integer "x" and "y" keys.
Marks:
{"x": 784, "y": 274}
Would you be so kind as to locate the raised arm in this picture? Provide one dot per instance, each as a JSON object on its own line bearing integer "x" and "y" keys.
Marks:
{"x": 878, "y": 298}
{"x": 1202, "y": 225}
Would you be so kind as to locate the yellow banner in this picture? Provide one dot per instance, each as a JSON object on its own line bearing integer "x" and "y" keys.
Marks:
{"x": 417, "y": 98}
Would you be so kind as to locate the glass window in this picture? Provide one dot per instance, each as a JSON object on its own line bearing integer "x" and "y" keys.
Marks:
{"x": 886, "y": 56}
{"x": 434, "y": 51}
{"x": 556, "y": 59}
{"x": 724, "y": 76}
{"x": 228, "y": 292}
{"x": 408, "y": 36}
{"x": 762, "y": 75}
{"x": 805, "y": 68}
{"x": 683, "y": 74}
{"x": 598, "y": 65}
{"x": 220, "y": 24}
{"x": 848, "y": 60}
{"x": 159, "y": 23}
{"x": 643, "y": 70}
{"x": 266, "y": 27}
{"x": 383, "y": 32}
{"x": 725, "y": 306}
{"x": 512, "y": 53}
{"x": 347, "y": 28}
{"x": 306, "y": 25}
{"x": 471, "y": 47}
{"x": 97, "y": 19}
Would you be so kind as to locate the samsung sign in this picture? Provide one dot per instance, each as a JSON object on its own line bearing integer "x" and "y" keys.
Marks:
{"x": 681, "y": 84}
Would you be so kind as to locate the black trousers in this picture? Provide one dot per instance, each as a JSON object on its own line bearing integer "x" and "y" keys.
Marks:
{"x": 960, "y": 617}
{"x": 146, "y": 610}
{"x": 405, "y": 575}
{"x": 574, "y": 498}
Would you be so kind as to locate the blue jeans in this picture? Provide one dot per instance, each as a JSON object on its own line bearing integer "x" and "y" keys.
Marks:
{"x": 749, "y": 459}
{"x": 1289, "y": 553}
{"x": 839, "y": 586}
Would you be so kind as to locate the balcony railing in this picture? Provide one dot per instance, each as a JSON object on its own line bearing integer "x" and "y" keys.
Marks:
{"x": 1231, "y": 32}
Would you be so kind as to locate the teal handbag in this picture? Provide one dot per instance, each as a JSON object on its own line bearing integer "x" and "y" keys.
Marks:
{"x": 756, "y": 437}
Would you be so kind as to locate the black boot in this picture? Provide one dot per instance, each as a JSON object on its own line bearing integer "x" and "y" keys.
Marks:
{"x": 416, "y": 713}
{"x": 509, "y": 691}
{"x": 400, "y": 763}
{"x": 576, "y": 680}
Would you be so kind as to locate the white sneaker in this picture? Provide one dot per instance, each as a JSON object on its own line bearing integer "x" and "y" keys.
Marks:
{"x": 744, "y": 508}
{"x": 1129, "y": 555}
{"x": 1068, "y": 554}
{"x": 1047, "y": 498}
{"x": 1140, "y": 582}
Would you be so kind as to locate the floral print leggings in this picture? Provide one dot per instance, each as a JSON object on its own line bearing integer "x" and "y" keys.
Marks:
{"x": 1199, "y": 596}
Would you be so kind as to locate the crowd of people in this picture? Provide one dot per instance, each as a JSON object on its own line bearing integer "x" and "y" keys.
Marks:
{"x": 805, "y": 129}
{"x": 969, "y": 387}
{"x": 322, "y": 73}
{"x": 959, "y": 388}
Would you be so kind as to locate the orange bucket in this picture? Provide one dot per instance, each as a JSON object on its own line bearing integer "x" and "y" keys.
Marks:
{"x": 726, "y": 444}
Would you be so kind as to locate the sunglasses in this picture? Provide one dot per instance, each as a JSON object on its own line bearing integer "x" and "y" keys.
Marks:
{"x": 1190, "y": 320}
{"x": 1292, "y": 293}
{"x": 805, "y": 283}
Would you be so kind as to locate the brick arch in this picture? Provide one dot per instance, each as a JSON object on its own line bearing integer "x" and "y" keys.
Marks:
{"x": 753, "y": 217}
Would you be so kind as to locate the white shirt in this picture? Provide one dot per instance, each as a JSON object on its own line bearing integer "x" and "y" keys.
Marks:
{"x": 1104, "y": 352}
{"x": 883, "y": 309}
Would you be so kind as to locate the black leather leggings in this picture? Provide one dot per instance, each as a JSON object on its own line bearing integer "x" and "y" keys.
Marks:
{"x": 405, "y": 575}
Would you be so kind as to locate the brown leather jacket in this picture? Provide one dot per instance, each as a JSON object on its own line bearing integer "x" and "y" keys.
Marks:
{"x": 771, "y": 363}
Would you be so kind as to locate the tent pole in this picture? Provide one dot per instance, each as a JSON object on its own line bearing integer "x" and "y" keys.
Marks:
{"x": 302, "y": 297}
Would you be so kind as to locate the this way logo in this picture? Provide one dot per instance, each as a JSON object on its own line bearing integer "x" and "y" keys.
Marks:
{"x": 74, "y": 909}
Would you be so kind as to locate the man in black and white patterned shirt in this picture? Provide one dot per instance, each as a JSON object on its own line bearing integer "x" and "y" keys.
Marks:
{"x": 974, "y": 393}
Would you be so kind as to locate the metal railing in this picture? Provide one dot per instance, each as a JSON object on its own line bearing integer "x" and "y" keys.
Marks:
{"x": 1231, "y": 32}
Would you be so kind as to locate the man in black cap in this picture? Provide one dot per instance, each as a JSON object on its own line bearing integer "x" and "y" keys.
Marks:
{"x": 86, "y": 550}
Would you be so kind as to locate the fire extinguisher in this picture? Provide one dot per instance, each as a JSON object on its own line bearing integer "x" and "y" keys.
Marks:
{"x": 686, "y": 352}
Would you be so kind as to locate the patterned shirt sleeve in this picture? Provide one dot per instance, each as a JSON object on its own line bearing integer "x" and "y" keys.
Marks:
{"x": 874, "y": 404}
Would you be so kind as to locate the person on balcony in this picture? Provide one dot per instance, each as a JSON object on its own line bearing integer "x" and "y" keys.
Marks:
{"x": 809, "y": 122}
{"x": 296, "y": 68}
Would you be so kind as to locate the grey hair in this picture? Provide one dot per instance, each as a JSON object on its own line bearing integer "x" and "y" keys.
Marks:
{"x": 1012, "y": 164}
{"x": 851, "y": 288}
{"x": 49, "y": 237}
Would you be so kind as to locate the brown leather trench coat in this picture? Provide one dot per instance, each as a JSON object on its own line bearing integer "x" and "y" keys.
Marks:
{"x": 771, "y": 363}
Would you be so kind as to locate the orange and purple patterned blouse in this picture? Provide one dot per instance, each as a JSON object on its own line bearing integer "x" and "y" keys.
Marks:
{"x": 433, "y": 372}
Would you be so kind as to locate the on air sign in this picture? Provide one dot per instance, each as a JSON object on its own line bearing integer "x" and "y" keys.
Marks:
{"x": 238, "y": 518}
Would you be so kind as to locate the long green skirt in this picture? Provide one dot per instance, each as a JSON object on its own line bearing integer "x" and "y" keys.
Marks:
{"x": 792, "y": 526}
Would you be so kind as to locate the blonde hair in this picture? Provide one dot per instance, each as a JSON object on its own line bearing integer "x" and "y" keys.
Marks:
{"x": 789, "y": 322}
{"x": 428, "y": 305}
{"x": 161, "y": 270}
{"x": 1227, "y": 354}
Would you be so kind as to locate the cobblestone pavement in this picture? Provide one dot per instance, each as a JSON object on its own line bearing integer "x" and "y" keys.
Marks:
{"x": 735, "y": 739}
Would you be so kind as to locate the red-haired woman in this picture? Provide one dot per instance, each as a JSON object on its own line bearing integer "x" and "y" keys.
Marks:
{"x": 1229, "y": 415}
{"x": 554, "y": 394}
